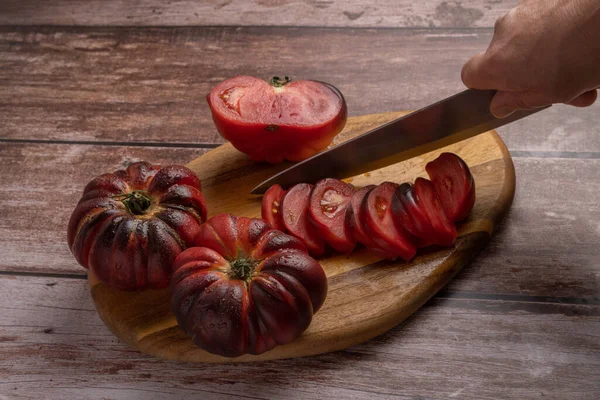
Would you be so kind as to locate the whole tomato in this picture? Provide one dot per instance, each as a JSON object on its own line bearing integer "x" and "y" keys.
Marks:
{"x": 130, "y": 225}
{"x": 280, "y": 120}
{"x": 247, "y": 289}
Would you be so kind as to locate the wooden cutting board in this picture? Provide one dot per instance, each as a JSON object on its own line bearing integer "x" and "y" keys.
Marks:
{"x": 367, "y": 296}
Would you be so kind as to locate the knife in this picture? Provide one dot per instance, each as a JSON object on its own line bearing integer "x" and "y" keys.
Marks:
{"x": 448, "y": 121}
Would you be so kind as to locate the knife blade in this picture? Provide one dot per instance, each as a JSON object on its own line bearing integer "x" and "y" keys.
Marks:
{"x": 448, "y": 121}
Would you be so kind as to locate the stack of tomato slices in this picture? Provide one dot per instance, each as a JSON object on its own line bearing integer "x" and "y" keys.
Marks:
{"x": 389, "y": 219}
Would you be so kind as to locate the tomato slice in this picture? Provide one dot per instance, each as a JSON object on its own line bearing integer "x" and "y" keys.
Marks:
{"x": 271, "y": 207}
{"x": 454, "y": 184}
{"x": 445, "y": 232}
{"x": 354, "y": 216}
{"x": 328, "y": 202}
{"x": 409, "y": 214}
{"x": 378, "y": 222}
{"x": 294, "y": 212}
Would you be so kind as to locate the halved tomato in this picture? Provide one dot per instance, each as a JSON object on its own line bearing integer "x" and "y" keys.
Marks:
{"x": 445, "y": 232}
{"x": 409, "y": 214}
{"x": 379, "y": 222}
{"x": 271, "y": 207}
{"x": 454, "y": 184}
{"x": 328, "y": 202}
{"x": 277, "y": 120}
{"x": 294, "y": 212}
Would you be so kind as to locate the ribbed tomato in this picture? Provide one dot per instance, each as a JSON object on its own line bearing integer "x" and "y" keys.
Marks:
{"x": 130, "y": 225}
{"x": 280, "y": 120}
{"x": 247, "y": 288}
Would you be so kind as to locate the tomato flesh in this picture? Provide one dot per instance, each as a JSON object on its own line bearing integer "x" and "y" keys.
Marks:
{"x": 271, "y": 207}
{"x": 378, "y": 222}
{"x": 328, "y": 202}
{"x": 454, "y": 185}
{"x": 275, "y": 123}
{"x": 445, "y": 232}
{"x": 295, "y": 215}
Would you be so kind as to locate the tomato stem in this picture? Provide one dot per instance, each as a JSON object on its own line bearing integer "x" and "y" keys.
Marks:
{"x": 280, "y": 82}
{"x": 242, "y": 268}
{"x": 136, "y": 202}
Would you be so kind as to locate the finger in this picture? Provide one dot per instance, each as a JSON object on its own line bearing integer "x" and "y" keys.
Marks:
{"x": 476, "y": 73}
{"x": 505, "y": 103}
{"x": 585, "y": 100}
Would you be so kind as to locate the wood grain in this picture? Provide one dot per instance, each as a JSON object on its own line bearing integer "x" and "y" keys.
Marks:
{"x": 149, "y": 85}
{"x": 536, "y": 251}
{"x": 355, "y": 13}
{"x": 366, "y": 296}
{"x": 54, "y": 346}
{"x": 41, "y": 185}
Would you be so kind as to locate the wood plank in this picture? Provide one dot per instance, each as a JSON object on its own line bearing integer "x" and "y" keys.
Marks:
{"x": 53, "y": 345}
{"x": 41, "y": 185}
{"x": 553, "y": 227}
{"x": 355, "y": 310}
{"x": 546, "y": 247}
{"x": 149, "y": 85}
{"x": 355, "y": 13}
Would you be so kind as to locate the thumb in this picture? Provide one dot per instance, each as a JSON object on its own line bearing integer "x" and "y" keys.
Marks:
{"x": 505, "y": 103}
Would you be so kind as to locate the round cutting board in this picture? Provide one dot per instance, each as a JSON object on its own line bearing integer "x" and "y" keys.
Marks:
{"x": 367, "y": 296}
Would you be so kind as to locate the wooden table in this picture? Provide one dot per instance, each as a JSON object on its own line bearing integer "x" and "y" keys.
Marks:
{"x": 88, "y": 86}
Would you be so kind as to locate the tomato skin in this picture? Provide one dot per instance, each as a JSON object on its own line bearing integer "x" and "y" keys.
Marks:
{"x": 246, "y": 288}
{"x": 379, "y": 223}
{"x": 295, "y": 214}
{"x": 131, "y": 249}
{"x": 271, "y": 207}
{"x": 274, "y": 124}
{"x": 409, "y": 213}
{"x": 327, "y": 205}
{"x": 454, "y": 184}
{"x": 445, "y": 231}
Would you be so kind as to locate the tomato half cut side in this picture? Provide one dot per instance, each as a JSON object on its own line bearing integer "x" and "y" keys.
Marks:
{"x": 328, "y": 202}
{"x": 378, "y": 222}
{"x": 294, "y": 212}
{"x": 454, "y": 184}
{"x": 271, "y": 207}
{"x": 277, "y": 120}
{"x": 445, "y": 232}
{"x": 409, "y": 214}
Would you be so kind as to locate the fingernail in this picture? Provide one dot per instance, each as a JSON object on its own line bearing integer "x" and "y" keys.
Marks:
{"x": 502, "y": 111}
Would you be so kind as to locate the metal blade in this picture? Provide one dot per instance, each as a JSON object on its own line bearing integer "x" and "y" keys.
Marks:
{"x": 451, "y": 120}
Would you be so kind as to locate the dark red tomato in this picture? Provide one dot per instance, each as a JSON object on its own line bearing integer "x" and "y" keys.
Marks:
{"x": 246, "y": 288}
{"x": 410, "y": 214}
{"x": 271, "y": 207}
{"x": 130, "y": 225}
{"x": 328, "y": 202}
{"x": 354, "y": 220}
{"x": 445, "y": 232}
{"x": 379, "y": 222}
{"x": 354, "y": 216}
{"x": 294, "y": 211}
{"x": 277, "y": 121}
{"x": 454, "y": 184}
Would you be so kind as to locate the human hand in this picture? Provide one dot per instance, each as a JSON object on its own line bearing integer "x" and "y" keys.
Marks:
{"x": 543, "y": 52}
